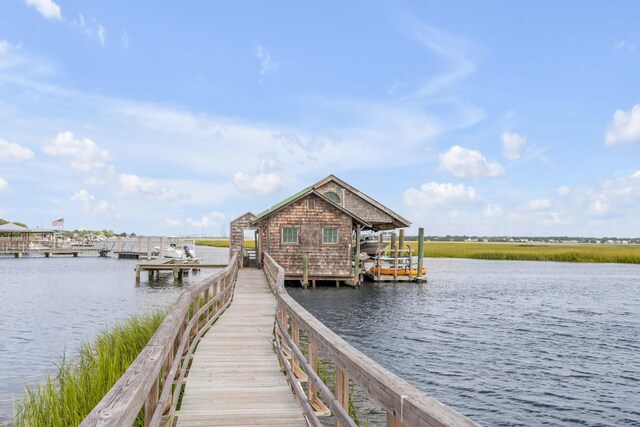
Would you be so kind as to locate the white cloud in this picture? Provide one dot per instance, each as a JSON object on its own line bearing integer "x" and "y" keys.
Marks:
{"x": 11, "y": 152}
{"x": 89, "y": 202}
{"x": 465, "y": 163}
{"x": 262, "y": 183}
{"x": 92, "y": 28}
{"x": 5, "y": 46}
{"x": 84, "y": 154}
{"x": 513, "y": 144}
{"x": 4, "y": 185}
{"x": 102, "y": 34}
{"x": 212, "y": 219}
{"x": 624, "y": 45}
{"x": 47, "y": 8}
{"x": 134, "y": 186}
{"x": 267, "y": 64}
{"x": 433, "y": 195}
{"x": 625, "y": 127}
{"x": 492, "y": 211}
{"x": 173, "y": 222}
{"x": 539, "y": 204}
{"x": 563, "y": 191}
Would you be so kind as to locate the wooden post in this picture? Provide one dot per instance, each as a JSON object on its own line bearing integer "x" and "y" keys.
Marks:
{"x": 395, "y": 257}
{"x": 378, "y": 260}
{"x": 119, "y": 243}
{"x": 137, "y": 275}
{"x": 410, "y": 262}
{"x": 139, "y": 245}
{"x": 401, "y": 239}
{"x": 148, "y": 248}
{"x": 313, "y": 361}
{"x": 161, "y": 255}
{"x": 176, "y": 274}
{"x": 358, "y": 230}
{"x": 206, "y": 300}
{"x": 356, "y": 269}
{"x": 342, "y": 390}
{"x": 305, "y": 271}
{"x": 150, "y": 404}
{"x": 420, "y": 252}
{"x": 392, "y": 420}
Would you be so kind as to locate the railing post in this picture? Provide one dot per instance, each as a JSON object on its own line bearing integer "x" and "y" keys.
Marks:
{"x": 392, "y": 420}
{"x": 312, "y": 357}
{"x": 150, "y": 404}
{"x": 342, "y": 391}
{"x": 206, "y": 300}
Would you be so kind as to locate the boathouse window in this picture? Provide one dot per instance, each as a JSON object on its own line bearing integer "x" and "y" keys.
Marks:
{"x": 330, "y": 235}
{"x": 289, "y": 235}
{"x": 333, "y": 196}
{"x": 311, "y": 203}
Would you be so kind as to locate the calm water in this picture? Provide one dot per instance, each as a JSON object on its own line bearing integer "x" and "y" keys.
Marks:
{"x": 506, "y": 343}
{"x": 49, "y": 305}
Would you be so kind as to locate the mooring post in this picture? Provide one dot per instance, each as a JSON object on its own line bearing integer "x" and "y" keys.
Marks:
{"x": 139, "y": 245}
{"x": 420, "y": 253}
{"x": 148, "y": 248}
{"x": 137, "y": 275}
{"x": 401, "y": 239}
{"x": 305, "y": 271}
{"x": 356, "y": 269}
{"x": 161, "y": 254}
{"x": 393, "y": 241}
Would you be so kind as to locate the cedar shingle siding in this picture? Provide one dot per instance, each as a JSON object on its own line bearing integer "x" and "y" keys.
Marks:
{"x": 325, "y": 260}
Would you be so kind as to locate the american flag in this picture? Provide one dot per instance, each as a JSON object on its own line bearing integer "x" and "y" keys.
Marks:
{"x": 58, "y": 222}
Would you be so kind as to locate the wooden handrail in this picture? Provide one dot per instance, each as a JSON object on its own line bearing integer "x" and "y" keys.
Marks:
{"x": 405, "y": 404}
{"x": 149, "y": 381}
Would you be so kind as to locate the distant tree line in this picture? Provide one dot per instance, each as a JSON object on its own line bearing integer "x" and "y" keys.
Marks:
{"x": 547, "y": 239}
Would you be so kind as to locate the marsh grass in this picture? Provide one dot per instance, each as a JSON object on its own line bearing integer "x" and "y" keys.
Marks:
{"x": 223, "y": 243}
{"x": 624, "y": 254}
{"x": 65, "y": 399}
{"x": 627, "y": 254}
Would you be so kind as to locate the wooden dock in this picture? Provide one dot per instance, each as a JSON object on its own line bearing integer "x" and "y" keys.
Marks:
{"x": 235, "y": 377}
{"x": 179, "y": 267}
{"x": 217, "y": 359}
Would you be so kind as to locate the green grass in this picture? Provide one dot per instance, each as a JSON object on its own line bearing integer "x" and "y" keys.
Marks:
{"x": 624, "y": 254}
{"x": 66, "y": 398}
{"x": 629, "y": 254}
{"x": 223, "y": 243}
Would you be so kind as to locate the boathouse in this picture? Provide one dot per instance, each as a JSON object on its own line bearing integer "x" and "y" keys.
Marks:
{"x": 312, "y": 233}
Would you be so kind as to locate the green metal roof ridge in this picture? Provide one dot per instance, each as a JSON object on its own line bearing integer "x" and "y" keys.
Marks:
{"x": 282, "y": 203}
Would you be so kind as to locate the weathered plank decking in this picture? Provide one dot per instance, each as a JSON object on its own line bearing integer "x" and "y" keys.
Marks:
{"x": 235, "y": 376}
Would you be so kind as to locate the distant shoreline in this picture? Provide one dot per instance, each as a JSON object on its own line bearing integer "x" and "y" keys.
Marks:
{"x": 558, "y": 252}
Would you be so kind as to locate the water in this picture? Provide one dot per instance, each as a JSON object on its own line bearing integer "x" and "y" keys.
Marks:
{"x": 505, "y": 343}
{"x": 51, "y": 305}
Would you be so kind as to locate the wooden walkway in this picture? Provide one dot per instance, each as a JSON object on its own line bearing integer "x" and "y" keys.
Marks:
{"x": 235, "y": 377}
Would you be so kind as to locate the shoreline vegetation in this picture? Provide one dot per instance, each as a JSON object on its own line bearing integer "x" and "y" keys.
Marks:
{"x": 66, "y": 397}
{"x": 558, "y": 252}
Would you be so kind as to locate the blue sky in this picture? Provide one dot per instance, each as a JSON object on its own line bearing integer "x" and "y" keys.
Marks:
{"x": 518, "y": 118}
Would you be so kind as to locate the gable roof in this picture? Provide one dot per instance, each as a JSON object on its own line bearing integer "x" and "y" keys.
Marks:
{"x": 13, "y": 228}
{"x": 300, "y": 195}
{"x": 398, "y": 221}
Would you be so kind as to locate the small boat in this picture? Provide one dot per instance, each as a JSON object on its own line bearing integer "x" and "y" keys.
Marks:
{"x": 405, "y": 271}
{"x": 175, "y": 252}
{"x": 370, "y": 245}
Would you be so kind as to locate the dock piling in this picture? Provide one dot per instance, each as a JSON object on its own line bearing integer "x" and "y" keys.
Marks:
{"x": 420, "y": 253}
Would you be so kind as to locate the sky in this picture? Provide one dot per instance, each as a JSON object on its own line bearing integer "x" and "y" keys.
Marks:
{"x": 465, "y": 117}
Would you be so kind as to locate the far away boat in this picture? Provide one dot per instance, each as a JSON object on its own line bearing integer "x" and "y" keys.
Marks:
{"x": 370, "y": 244}
{"x": 175, "y": 252}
